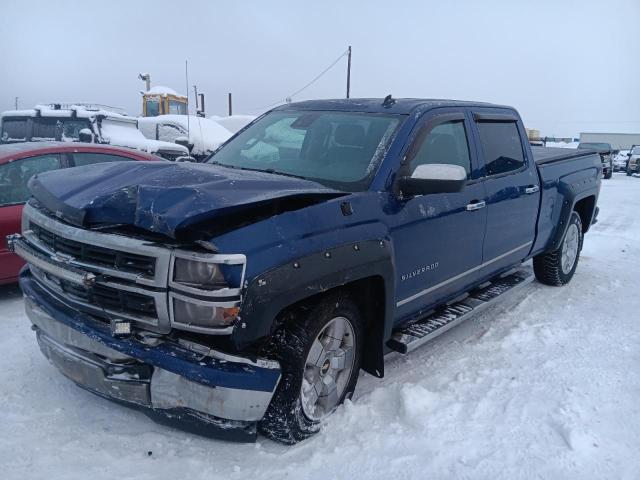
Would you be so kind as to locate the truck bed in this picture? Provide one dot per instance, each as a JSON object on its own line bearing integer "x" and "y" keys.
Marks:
{"x": 543, "y": 155}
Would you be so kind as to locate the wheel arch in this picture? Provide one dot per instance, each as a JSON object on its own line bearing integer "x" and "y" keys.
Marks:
{"x": 586, "y": 207}
{"x": 364, "y": 270}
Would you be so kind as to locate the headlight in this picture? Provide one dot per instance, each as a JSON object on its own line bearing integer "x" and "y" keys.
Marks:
{"x": 198, "y": 274}
{"x": 197, "y": 315}
{"x": 205, "y": 290}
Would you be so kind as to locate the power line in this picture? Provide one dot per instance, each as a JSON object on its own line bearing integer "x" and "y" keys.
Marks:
{"x": 315, "y": 79}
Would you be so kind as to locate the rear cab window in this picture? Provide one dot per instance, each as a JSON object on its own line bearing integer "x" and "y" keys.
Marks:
{"x": 501, "y": 145}
{"x": 15, "y": 175}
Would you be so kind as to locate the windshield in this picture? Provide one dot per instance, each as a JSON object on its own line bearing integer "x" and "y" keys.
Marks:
{"x": 635, "y": 151}
{"x": 177, "y": 108}
{"x": 600, "y": 147}
{"x": 71, "y": 128}
{"x": 14, "y": 130}
{"x": 337, "y": 149}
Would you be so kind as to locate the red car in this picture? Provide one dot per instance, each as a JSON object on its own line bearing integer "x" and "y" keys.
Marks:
{"x": 19, "y": 161}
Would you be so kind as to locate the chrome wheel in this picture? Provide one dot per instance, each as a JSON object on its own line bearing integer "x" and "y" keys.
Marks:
{"x": 328, "y": 369}
{"x": 570, "y": 248}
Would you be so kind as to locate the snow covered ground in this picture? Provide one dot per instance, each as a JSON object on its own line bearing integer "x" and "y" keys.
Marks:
{"x": 546, "y": 385}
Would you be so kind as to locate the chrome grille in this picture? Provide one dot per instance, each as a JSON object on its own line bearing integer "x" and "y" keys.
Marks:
{"x": 106, "y": 257}
{"x": 109, "y": 275}
{"x": 119, "y": 301}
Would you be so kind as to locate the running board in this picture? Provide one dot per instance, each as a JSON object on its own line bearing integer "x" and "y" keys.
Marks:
{"x": 411, "y": 337}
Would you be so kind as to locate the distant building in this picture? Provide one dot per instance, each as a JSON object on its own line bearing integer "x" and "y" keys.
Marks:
{"x": 618, "y": 141}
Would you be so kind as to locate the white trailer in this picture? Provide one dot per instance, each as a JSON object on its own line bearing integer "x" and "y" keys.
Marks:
{"x": 618, "y": 141}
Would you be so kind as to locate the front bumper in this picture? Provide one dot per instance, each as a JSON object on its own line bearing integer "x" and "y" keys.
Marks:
{"x": 215, "y": 394}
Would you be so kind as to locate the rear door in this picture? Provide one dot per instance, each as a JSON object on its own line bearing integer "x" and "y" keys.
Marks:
{"x": 438, "y": 238}
{"x": 512, "y": 186}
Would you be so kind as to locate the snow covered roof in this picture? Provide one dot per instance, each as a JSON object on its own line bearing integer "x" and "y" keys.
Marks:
{"x": 160, "y": 90}
{"x": 123, "y": 134}
{"x": 69, "y": 110}
{"x": 206, "y": 135}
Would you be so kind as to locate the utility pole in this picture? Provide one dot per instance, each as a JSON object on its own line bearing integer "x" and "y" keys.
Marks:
{"x": 16, "y": 103}
{"x": 230, "y": 106}
{"x": 349, "y": 71}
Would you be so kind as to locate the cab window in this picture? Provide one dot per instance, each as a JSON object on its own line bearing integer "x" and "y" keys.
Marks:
{"x": 45, "y": 128}
{"x": 15, "y": 175}
{"x": 81, "y": 159}
{"x": 502, "y": 147}
{"x": 445, "y": 143}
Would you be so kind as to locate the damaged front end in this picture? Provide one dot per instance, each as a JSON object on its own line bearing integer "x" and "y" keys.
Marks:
{"x": 122, "y": 317}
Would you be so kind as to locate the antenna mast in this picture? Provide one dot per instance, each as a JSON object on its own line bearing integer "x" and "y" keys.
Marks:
{"x": 349, "y": 71}
{"x": 186, "y": 77}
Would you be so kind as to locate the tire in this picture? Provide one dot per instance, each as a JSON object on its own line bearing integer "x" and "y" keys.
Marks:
{"x": 609, "y": 173}
{"x": 289, "y": 418}
{"x": 628, "y": 171}
{"x": 549, "y": 268}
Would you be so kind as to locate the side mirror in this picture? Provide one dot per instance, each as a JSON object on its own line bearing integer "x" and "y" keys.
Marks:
{"x": 434, "y": 178}
{"x": 184, "y": 141}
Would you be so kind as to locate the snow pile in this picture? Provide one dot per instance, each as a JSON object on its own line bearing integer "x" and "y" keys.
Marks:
{"x": 206, "y": 135}
{"x": 125, "y": 134}
{"x": 234, "y": 123}
{"x": 545, "y": 385}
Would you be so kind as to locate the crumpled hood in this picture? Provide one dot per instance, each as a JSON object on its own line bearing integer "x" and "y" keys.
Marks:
{"x": 161, "y": 197}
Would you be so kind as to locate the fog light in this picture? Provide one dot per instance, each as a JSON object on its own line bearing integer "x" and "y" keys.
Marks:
{"x": 120, "y": 328}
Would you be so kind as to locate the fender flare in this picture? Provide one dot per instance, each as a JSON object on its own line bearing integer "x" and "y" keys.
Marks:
{"x": 268, "y": 294}
{"x": 570, "y": 194}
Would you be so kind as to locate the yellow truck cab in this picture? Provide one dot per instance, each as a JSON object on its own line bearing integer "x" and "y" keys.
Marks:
{"x": 163, "y": 101}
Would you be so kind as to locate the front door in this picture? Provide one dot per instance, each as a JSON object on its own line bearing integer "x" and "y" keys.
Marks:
{"x": 438, "y": 238}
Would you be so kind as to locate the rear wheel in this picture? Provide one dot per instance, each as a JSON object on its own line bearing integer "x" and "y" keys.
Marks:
{"x": 557, "y": 268}
{"x": 320, "y": 356}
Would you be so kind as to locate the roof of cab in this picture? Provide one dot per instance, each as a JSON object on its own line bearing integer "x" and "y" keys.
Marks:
{"x": 403, "y": 106}
{"x": 12, "y": 151}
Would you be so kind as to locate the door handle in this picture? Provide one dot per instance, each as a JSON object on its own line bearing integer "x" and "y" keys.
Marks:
{"x": 476, "y": 206}
{"x": 531, "y": 189}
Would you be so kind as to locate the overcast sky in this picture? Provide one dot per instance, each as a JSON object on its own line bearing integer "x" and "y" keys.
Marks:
{"x": 568, "y": 66}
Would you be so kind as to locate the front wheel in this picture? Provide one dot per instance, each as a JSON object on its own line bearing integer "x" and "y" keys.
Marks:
{"x": 320, "y": 354}
{"x": 557, "y": 268}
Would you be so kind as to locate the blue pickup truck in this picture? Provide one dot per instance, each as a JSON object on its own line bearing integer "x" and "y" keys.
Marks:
{"x": 246, "y": 293}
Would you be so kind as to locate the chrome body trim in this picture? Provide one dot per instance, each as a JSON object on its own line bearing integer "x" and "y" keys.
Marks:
{"x": 74, "y": 302}
{"x": 460, "y": 275}
{"x": 104, "y": 240}
{"x": 194, "y": 328}
{"x": 88, "y": 363}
